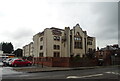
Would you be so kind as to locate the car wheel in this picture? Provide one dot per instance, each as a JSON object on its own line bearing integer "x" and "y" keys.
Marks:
{"x": 15, "y": 65}
{"x": 28, "y": 64}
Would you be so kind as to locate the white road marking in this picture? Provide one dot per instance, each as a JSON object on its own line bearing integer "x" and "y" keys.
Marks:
{"x": 84, "y": 76}
{"x": 108, "y": 72}
{"x": 115, "y": 73}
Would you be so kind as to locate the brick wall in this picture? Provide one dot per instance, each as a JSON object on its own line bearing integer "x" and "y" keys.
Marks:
{"x": 60, "y": 62}
{"x": 64, "y": 62}
{"x": 83, "y": 62}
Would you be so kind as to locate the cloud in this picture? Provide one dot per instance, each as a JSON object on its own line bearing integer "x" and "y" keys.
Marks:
{"x": 19, "y": 33}
{"x": 22, "y": 33}
{"x": 106, "y": 24}
{"x": 96, "y": 18}
{"x": 19, "y": 37}
{"x": 20, "y": 20}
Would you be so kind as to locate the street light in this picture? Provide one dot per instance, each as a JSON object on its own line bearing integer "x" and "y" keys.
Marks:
{"x": 115, "y": 59}
{"x": 115, "y": 54}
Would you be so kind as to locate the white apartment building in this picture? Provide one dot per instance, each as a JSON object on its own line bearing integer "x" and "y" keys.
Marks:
{"x": 28, "y": 50}
{"x": 55, "y": 42}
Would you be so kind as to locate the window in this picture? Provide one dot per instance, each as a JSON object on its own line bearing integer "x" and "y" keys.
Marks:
{"x": 56, "y": 47}
{"x": 78, "y": 41}
{"x": 78, "y": 44}
{"x": 41, "y": 39}
{"x": 19, "y": 60}
{"x": 56, "y": 38}
{"x": 41, "y": 47}
{"x": 56, "y": 54}
{"x": 40, "y": 54}
{"x": 90, "y": 49}
{"x": 89, "y": 43}
{"x": 77, "y": 38}
{"x": 71, "y": 55}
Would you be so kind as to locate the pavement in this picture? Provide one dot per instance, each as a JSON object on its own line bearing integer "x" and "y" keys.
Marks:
{"x": 34, "y": 69}
{"x": 9, "y": 71}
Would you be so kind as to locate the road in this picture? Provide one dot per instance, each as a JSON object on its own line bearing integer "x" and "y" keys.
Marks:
{"x": 98, "y": 73}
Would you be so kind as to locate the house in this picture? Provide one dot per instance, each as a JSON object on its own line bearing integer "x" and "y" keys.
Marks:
{"x": 108, "y": 55}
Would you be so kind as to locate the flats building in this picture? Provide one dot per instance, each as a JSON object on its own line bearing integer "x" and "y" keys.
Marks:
{"x": 55, "y": 47}
{"x": 28, "y": 50}
{"x": 62, "y": 43}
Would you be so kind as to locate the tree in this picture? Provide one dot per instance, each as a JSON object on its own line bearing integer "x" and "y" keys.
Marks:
{"x": 91, "y": 53}
{"x": 18, "y": 52}
{"x": 7, "y": 47}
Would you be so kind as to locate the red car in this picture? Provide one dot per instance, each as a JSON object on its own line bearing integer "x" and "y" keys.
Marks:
{"x": 20, "y": 62}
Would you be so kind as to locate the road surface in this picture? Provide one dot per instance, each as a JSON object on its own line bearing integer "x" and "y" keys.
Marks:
{"x": 98, "y": 73}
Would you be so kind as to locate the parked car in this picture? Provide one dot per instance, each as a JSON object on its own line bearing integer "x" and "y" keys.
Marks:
{"x": 20, "y": 62}
{"x": 1, "y": 64}
{"x": 8, "y": 60}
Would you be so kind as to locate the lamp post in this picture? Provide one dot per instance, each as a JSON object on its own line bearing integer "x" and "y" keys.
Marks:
{"x": 115, "y": 60}
{"x": 42, "y": 62}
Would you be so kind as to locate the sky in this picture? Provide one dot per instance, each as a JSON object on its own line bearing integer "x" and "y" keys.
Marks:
{"x": 21, "y": 19}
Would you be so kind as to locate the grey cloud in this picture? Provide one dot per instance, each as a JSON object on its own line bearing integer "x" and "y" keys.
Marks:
{"x": 22, "y": 33}
{"x": 19, "y": 37}
{"x": 100, "y": 18}
{"x": 107, "y": 23}
{"x": 119, "y": 23}
{"x": 18, "y": 34}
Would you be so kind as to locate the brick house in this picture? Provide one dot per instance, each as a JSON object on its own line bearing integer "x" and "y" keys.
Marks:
{"x": 108, "y": 55}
